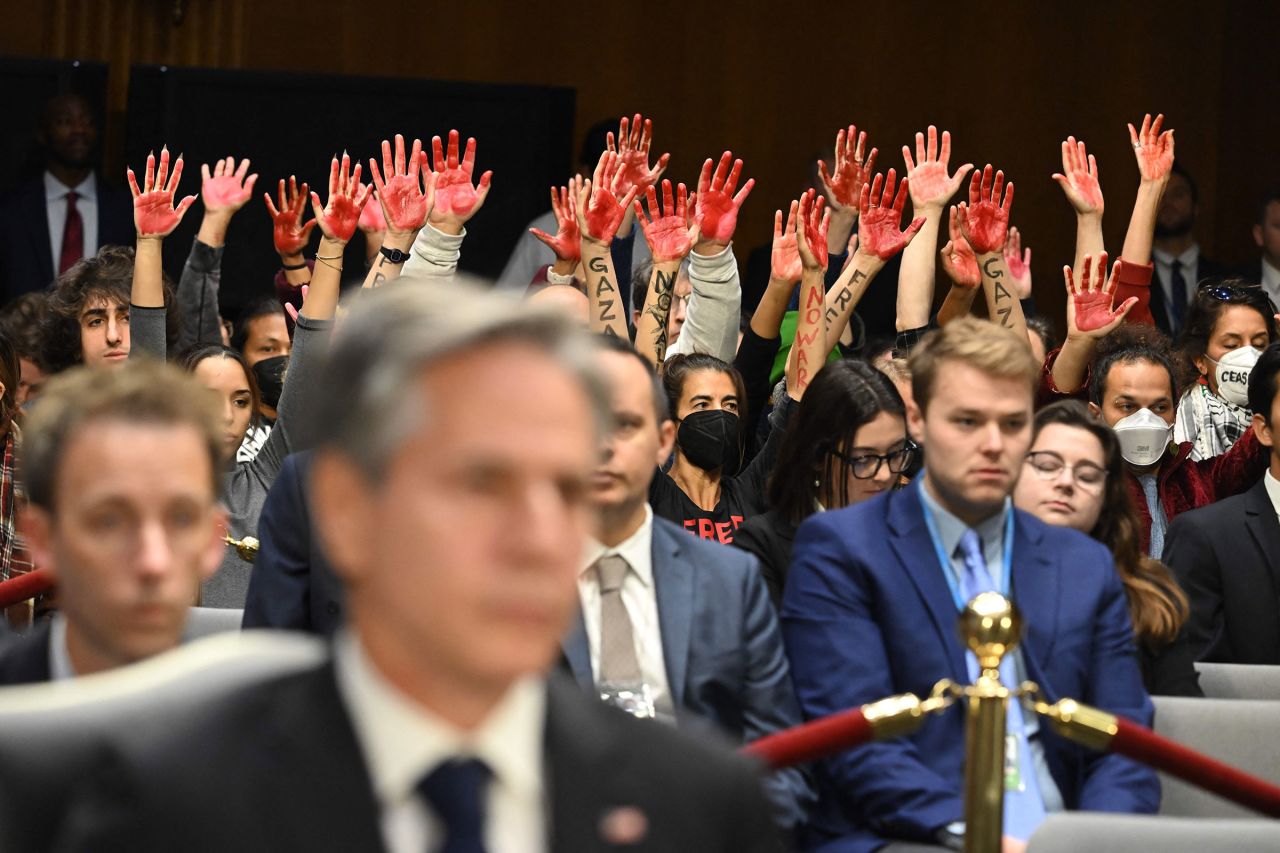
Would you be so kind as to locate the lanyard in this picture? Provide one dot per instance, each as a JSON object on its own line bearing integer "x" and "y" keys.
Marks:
{"x": 949, "y": 571}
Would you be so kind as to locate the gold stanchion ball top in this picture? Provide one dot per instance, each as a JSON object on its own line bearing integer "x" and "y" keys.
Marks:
{"x": 990, "y": 626}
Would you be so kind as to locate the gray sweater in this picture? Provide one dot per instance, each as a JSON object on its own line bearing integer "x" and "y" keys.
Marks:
{"x": 245, "y": 485}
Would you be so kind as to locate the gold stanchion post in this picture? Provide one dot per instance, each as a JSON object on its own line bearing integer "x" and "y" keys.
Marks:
{"x": 991, "y": 627}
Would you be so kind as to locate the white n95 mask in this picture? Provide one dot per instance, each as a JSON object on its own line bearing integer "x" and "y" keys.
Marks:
{"x": 1143, "y": 437}
{"x": 1232, "y": 374}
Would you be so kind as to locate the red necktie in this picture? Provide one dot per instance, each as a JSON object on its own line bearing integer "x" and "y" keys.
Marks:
{"x": 72, "y": 236}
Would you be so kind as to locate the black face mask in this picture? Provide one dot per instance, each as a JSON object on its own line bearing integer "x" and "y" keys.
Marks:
{"x": 709, "y": 440}
{"x": 270, "y": 375}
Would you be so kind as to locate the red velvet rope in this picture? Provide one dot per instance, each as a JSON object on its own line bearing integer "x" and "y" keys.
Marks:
{"x": 813, "y": 740}
{"x": 26, "y": 585}
{"x": 1144, "y": 745}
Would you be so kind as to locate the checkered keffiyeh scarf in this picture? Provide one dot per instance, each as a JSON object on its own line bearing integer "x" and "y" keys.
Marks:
{"x": 14, "y": 559}
{"x": 1211, "y": 423}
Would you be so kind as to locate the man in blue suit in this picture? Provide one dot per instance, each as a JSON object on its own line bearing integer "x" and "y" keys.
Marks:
{"x": 672, "y": 626}
{"x": 873, "y": 596}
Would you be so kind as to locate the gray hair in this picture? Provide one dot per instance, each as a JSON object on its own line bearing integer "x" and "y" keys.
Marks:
{"x": 372, "y": 403}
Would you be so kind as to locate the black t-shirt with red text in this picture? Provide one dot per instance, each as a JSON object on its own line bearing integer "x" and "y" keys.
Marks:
{"x": 741, "y": 496}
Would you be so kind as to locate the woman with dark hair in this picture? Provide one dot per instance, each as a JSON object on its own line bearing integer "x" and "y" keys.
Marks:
{"x": 1074, "y": 476}
{"x": 224, "y": 370}
{"x": 848, "y": 443}
{"x": 707, "y": 490}
{"x": 1228, "y": 325}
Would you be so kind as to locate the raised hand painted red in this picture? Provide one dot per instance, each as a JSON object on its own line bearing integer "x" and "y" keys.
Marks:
{"x": 958, "y": 260}
{"x": 985, "y": 220}
{"x": 879, "y": 231}
{"x": 811, "y": 230}
{"x": 567, "y": 244}
{"x": 347, "y": 197}
{"x": 716, "y": 207}
{"x": 1090, "y": 306}
{"x": 290, "y": 236}
{"x": 632, "y": 147}
{"x": 228, "y": 187}
{"x": 666, "y": 229}
{"x": 785, "y": 257}
{"x": 1079, "y": 177}
{"x": 1153, "y": 148}
{"x": 455, "y": 193}
{"x": 600, "y": 210}
{"x": 154, "y": 214}
{"x": 402, "y": 203}
{"x": 931, "y": 186}
{"x": 844, "y": 188}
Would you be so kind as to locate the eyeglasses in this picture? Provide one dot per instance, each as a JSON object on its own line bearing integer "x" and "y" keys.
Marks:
{"x": 1049, "y": 465}
{"x": 866, "y": 467}
{"x": 1240, "y": 292}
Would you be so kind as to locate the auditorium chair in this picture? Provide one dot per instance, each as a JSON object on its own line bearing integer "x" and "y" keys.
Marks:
{"x": 1071, "y": 832}
{"x": 206, "y": 621}
{"x": 1239, "y": 681}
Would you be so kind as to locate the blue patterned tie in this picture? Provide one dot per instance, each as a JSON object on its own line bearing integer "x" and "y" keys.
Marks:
{"x": 1159, "y": 521}
{"x": 1023, "y": 809}
{"x": 456, "y": 793}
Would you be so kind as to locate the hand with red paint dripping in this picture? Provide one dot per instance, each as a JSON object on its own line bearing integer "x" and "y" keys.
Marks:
{"x": 1079, "y": 178}
{"x": 958, "y": 260}
{"x": 600, "y": 204}
{"x": 347, "y": 197}
{"x": 879, "y": 223}
{"x": 407, "y": 193}
{"x": 567, "y": 244}
{"x": 1152, "y": 148}
{"x": 1089, "y": 312}
{"x": 931, "y": 186}
{"x": 1019, "y": 262}
{"x": 843, "y": 189}
{"x": 667, "y": 229}
{"x": 811, "y": 231}
{"x": 984, "y": 221}
{"x": 785, "y": 264}
{"x": 289, "y": 234}
{"x": 715, "y": 204}
{"x": 154, "y": 214}
{"x": 632, "y": 146}
{"x": 456, "y": 198}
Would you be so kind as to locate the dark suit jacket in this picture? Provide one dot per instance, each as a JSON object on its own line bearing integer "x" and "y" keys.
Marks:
{"x": 722, "y": 648}
{"x": 25, "y": 660}
{"x": 277, "y": 767}
{"x": 868, "y": 613}
{"x": 770, "y": 538}
{"x": 292, "y": 584}
{"x": 1227, "y": 558}
{"x": 1205, "y": 269}
{"x": 26, "y": 258}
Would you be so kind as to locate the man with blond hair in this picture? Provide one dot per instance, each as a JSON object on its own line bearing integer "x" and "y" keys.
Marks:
{"x": 874, "y": 593}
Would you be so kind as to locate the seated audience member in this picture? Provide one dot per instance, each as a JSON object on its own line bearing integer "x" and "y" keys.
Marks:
{"x": 1074, "y": 477}
{"x": 21, "y": 322}
{"x": 14, "y": 559}
{"x": 292, "y": 584}
{"x": 1179, "y": 264}
{"x": 875, "y": 589}
{"x": 459, "y": 538}
{"x": 645, "y": 584}
{"x": 121, "y": 471}
{"x": 261, "y": 335}
{"x": 1228, "y": 325}
{"x": 1225, "y": 553}
{"x": 1133, "y": 390}
{"x": 1266, "y": 234}
{"x": 848, "y": 443}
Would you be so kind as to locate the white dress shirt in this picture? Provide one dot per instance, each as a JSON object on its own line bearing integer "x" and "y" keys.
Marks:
{"x": 60, "y": 668}
{"x": 641, "y": 601}
{"x": 1271, "y": 281}
{"x": 402, "y": 742}
{"x": 1272, "y": 486}
{"x": 55, "y": 198}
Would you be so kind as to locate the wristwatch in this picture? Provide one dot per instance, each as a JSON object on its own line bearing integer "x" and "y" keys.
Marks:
{"x": 394, "y": 255}
{"x": 951, "y": 836}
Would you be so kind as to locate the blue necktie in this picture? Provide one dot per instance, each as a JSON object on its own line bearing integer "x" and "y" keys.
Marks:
{"x": 456, "y": 793}
{"x": 1024, "y": 809}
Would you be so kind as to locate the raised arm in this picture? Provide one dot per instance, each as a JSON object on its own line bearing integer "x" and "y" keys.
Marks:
{"x": 670, "y": 233}
{"x": 1090, "y": 318}
{"x": 224, "y": 190}
{"x": 154, "y": 218}
{"x": 1153, "y": 150}
{"x": 931, "y": 189}
{"x": 715, "y": 304}
{"x": 1018, "y": 260}
{"x": 404, "y": 197}
{"x": 1079, "y": 181}
{"x": 457, "y": 199}
{"x": 567, "y": 241}
{"x": 984, "y": 222}
{"x": 810, "y": 349}
{"x": 961, "y": 266}
{"x": 288, "y": 231}
{"x": 600, "y": 211}
{"x": 785, "y": 270}
{"x": 337, "y": 220}
{"x": 843, "y": 189}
